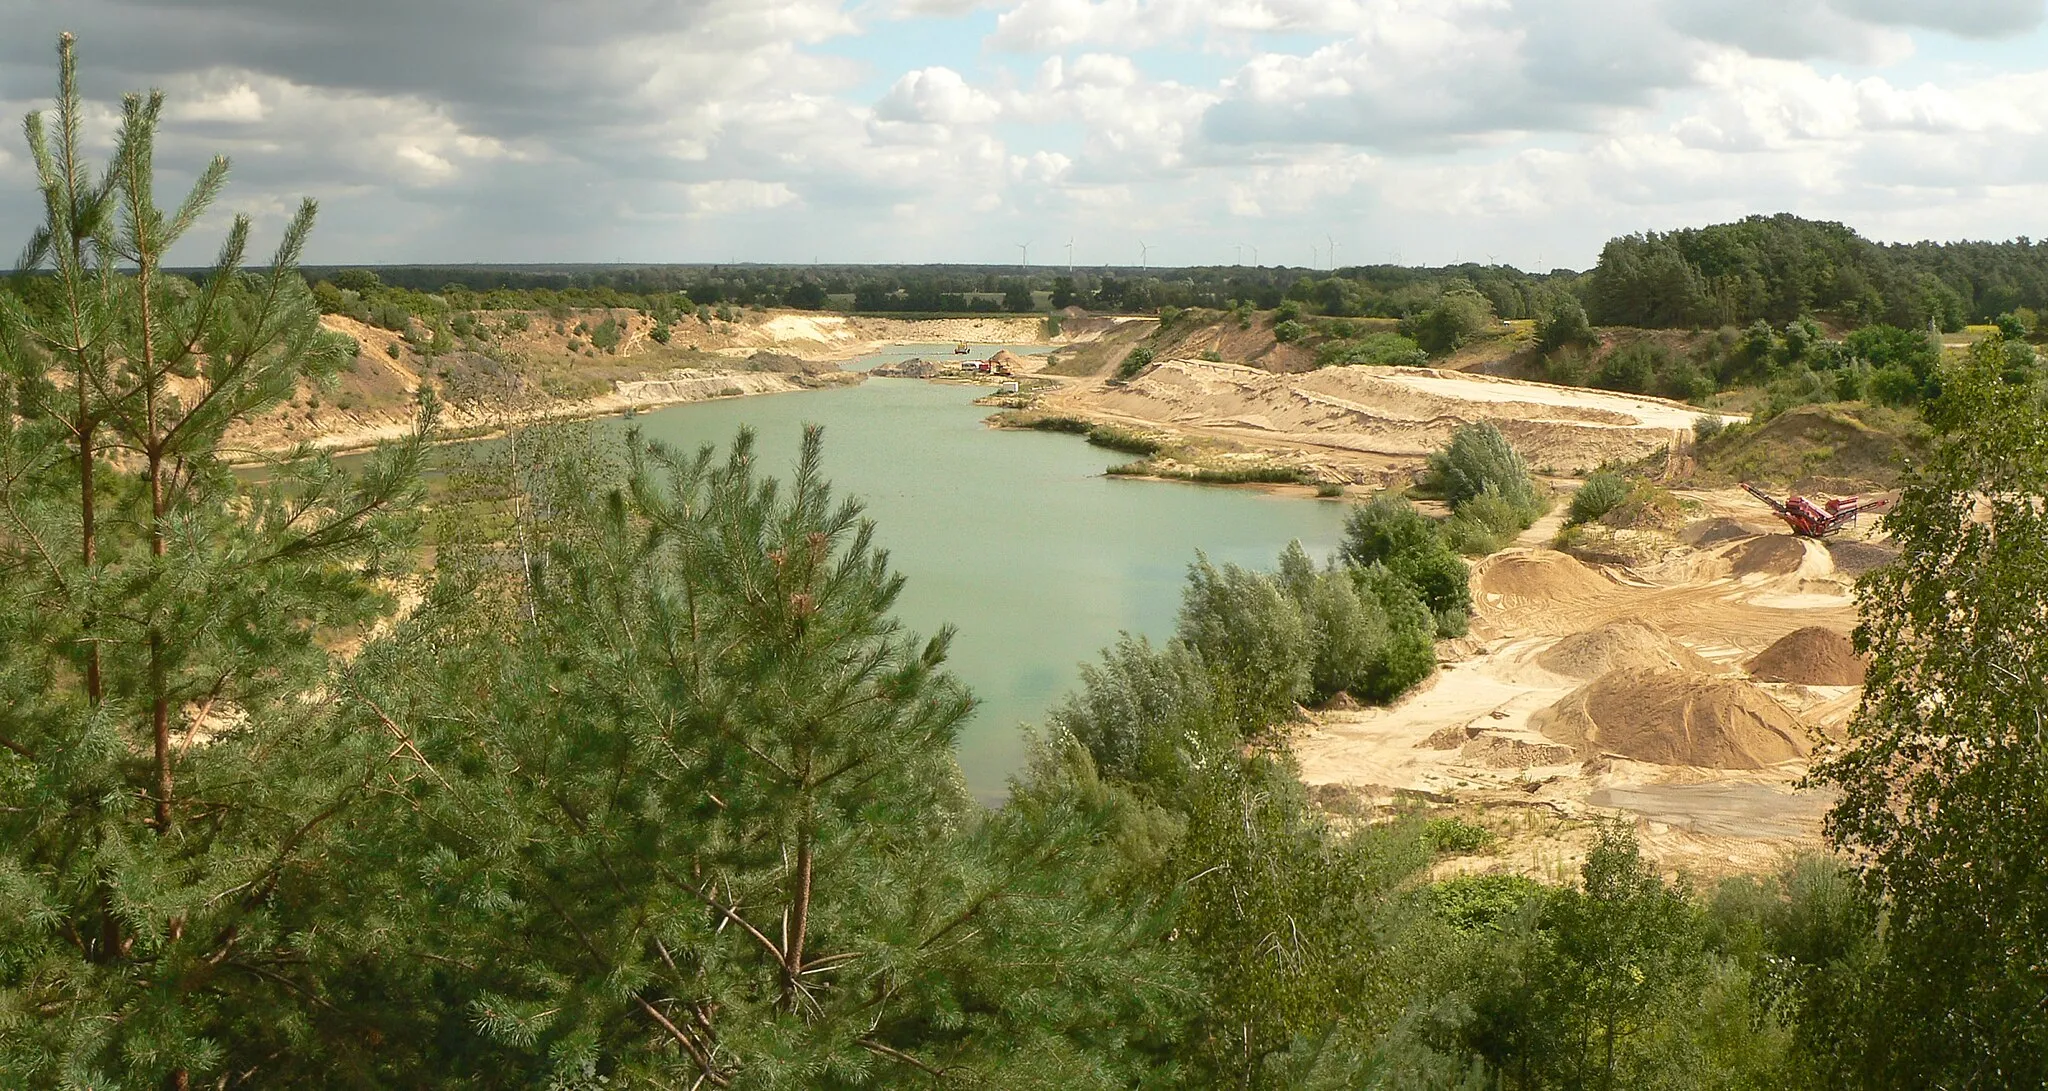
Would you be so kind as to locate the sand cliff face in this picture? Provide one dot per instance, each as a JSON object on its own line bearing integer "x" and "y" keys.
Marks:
{"x": 550, "y": 368}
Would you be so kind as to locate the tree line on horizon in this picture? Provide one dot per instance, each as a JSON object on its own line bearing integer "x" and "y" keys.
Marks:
{"x": 1770, "y": 268}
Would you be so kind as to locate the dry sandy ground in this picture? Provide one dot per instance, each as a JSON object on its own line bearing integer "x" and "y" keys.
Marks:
{"x": 1476, "y": 734}
{"x": 1367, "y": 421}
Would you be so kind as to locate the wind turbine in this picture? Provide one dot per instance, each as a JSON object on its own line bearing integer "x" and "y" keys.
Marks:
{"x": 1024, "y": 248}
{"x": 1240, "y": 255}
{"x": 1070, "y": 253}
{"x": 1255, "y": 257}
{"x": 1333, "y": 252}
{"x": 1144, "y": 256}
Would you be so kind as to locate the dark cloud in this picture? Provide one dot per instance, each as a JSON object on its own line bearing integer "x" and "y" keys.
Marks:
{"x": 1969, "y": 18}
{"x": 1779, "y": 29}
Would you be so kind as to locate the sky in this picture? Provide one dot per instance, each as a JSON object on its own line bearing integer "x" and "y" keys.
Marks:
{"x": 1173, "y": 132}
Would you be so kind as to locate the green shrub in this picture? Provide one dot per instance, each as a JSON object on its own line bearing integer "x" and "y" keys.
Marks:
{"x": 1251, "y": 637}
{"x": 1290, "y": 330}
{"x": 1410, "y": 653}
{"x": 1478, "y": 456}
{"x": 1601, "y": 493}
{"x": 1137, "y": 360}
{"x": 1476, "y": 533}
{"x": 391, "y": 350}
{"x": 1708, "y": 428}
{"x": 1564, "y": 323}
{"x": 605, "y": 335}
{"x": 1459, "y": 316}
{"x": 1389, "y": 532}
{"x": 1390, "y": 349}
{"x": 1631, "y": 368}
{"x": 1143, "y": 712}
{"x": 1455, "y": 835}
{"x": 1473, "y": 902}
{"x": 1329, "y": 489}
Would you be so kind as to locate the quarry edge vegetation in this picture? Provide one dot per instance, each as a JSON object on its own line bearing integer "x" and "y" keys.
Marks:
{"x": 627, "y": 777}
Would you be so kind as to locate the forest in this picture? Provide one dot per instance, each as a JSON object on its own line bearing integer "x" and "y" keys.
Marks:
{"x": 1764, "y": 268}
{"x": 641, "y": 784}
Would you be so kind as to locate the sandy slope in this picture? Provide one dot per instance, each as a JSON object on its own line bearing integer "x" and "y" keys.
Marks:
{"x": 1376, "y": 418}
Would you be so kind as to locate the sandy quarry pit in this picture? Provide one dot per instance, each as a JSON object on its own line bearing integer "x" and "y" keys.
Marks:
{"x": 1586, "y": 691}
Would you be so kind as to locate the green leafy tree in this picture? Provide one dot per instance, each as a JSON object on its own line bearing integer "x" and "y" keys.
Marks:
{"x": 1563, "y": 324}
{"x": 1602, "y": 493}
{"x": 1252, "y": 638}
{"x": 1941, "y": 789}
{"x": 1478, "y": 458}
{"x": 1388, "y": 530}
{"x": 176, "y": 740}
{"x": 1459, "y": 316}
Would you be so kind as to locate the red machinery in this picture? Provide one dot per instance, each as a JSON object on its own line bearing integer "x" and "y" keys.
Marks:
{"x": 1811, "y": 520}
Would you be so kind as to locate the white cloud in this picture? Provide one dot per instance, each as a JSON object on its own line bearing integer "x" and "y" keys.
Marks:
{"x": 734, "y": 195}
{"x": 936, "y": 96}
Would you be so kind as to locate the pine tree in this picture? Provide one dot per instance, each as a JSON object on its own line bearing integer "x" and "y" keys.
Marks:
{"x": 687, "y": 811}
{"x": 173, "y": 744}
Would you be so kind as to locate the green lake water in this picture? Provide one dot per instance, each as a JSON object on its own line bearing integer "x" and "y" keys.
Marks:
{"x": 1015, "y": 538}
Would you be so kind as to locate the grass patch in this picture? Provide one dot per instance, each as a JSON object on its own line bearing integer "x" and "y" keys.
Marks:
{"x": 1207, "y": 475}
{"x": 1126, "y": 440}
{"x": 1109, "y": 436}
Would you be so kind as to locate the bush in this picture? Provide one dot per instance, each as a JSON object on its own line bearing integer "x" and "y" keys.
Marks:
{"x": 1388, "y": 531}
{"x": 1458, "y": 317}
{"x": 1410, "y": 654}
{"x": 391, "y": 350}
{"x": 1601, "y": 493}
{"x": 1563, "y": 324}
{"x": 1387, "y": 349}
{"x": 1486, "y": 524}
{"x": 605, "y": 336}
{"x": 1708, "y": 428}
{"x": 1631, "y": 368}
{"x": 1478, "y": 456}
{"x": 1144, "y": 713}
{"x": 1138, "y": 360}
{"x": 1251, "y": 637}
{"x": 1455, "y": 835}
{"x": 1290, "y": 330}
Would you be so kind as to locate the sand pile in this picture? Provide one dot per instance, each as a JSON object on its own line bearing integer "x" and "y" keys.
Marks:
{"x": 916, "y": 368}
{"x": 1770, "y": 555}
{"x": 1708, "y": 533}
{"x": 1856, "y": 558}
{"x": 1494, "y": 752}
{"x": 1812, "y": 656}
{"x": 1007, "y": 358}
{"x": 1619, "y": 645}
{"x": 1675, "y": 717}
{"x": 1541, "y": 575}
